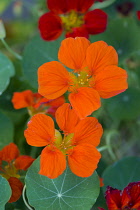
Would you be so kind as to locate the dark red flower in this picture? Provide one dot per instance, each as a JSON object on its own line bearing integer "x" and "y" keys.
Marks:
{"x": 138, "y": 15}
{"x": 73, "y": 17}
{"x": 127, "y": 199}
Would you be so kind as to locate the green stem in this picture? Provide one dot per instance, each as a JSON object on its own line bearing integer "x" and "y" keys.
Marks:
{"x": 100, "y": 149}
{"x": 24, "y": 198}
{"x": 10, "y": 50}
{"x": 101, "y": 5}
{"x": 108, "y": 142}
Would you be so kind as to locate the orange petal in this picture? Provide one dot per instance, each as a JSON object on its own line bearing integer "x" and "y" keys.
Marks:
{"x": 66, "y": 118}
{"x": 89, "y": 131}
{"x": 16, "y": 186}
{"x": 84, "y": 101}
{"x": 83, "y": 160}
{"x": 101, "y": 182}
{"x": 52, "y": 162}
{"x": 53, "y": 79}
{"x": 23, "y": 162}
{"x": 22, "y": 99}
{"x": 111, "y": 81}
{"x": 40, "y": 131}
{"x": 56, "y": 102}
{"x": 9, "y": 152}
{"x": 72, "y": 52}
{"x": 99, "y": 55}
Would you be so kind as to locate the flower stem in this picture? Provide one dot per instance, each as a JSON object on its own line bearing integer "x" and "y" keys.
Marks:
{"x": 10, "y": 50}
{"x": 108, "y": 143}
{"x": 24, "y": 198}
{"x": 101, "y": 5}
{"x": 100, "y": 149}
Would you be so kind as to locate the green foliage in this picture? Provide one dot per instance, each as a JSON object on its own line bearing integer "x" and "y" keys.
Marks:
{"x": 6, "y": 71}
{"x": 124, "y": 106}
{"x": 68, "y": 191}
{"x": 36, "y": 53}
{"x": 5, "y": 192}
{"x": 121, "y": 173}
{"x": 6, "y": 130}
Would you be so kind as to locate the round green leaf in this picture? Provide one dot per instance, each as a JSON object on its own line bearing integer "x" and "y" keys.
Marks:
{"x": 35, "y": 54}
{"x": 121, "y": 173}
{"x": 6, "y": 130}
{"x": 6, "y": 71}
{"x": 124, "y": 106}
{"x": 5, "y": 192}
{"x": 125, "y": 40}
{"x": 68, "y": 191}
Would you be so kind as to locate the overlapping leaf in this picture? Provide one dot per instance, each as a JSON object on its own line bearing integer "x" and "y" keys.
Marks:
{"x": 65, "y": 192}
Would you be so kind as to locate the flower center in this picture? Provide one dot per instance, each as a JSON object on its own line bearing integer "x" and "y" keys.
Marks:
{"x": 64, "y": 144}
{"x": 10, "y": 171}
{"x": 81, "y": 80}
{"x": 72, "y": 20}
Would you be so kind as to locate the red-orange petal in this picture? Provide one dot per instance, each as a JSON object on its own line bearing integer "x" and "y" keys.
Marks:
{"x": 40, "y": 131}
{"x": 52, "y": 162}
{"x": 53, "y": 79}
{"x": 66, "y": 118}
{"x": 111, "y": 81}
{"x": 84, "y": 101}
{"x": 22, "y": 99}
{"x": 23, "y": 162}
{"x": 89, "y": 131}
{"x": 99, "y": 55}
{"x": 16, "y": 187}
{"x": 9, "y": 152}
{"x": 72, "y": 52}
{"x": 56, "y": 102}
{"x": 83, "y": 160}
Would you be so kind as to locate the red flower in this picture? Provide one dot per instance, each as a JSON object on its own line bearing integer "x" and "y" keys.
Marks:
{"x": 73, "y": 17}
{"x": 129, "y": 198}
{"x": 36, "y": 103}
{"x": 13, "y": 163}
{"x": 138, "y": 15}
{"x": 78, "y": 146}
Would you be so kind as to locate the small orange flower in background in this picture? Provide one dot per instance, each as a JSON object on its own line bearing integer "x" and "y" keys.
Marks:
{"x": 81, "y": 137}
{"x": 95, "y": 74}
{"x": 11, "y": 164}
{"x": 36, "y": 103}
{"x": 129, "y": 198}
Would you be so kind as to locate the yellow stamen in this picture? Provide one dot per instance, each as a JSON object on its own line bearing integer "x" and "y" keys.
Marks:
{"x": 72, "y": 20}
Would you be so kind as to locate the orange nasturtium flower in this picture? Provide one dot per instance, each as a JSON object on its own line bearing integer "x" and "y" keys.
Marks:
{"x": 95, "y": 74}
{"x": 11, "y": 165}
{"x": 36, "y": 103}
{"x": 78, "y": 144}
